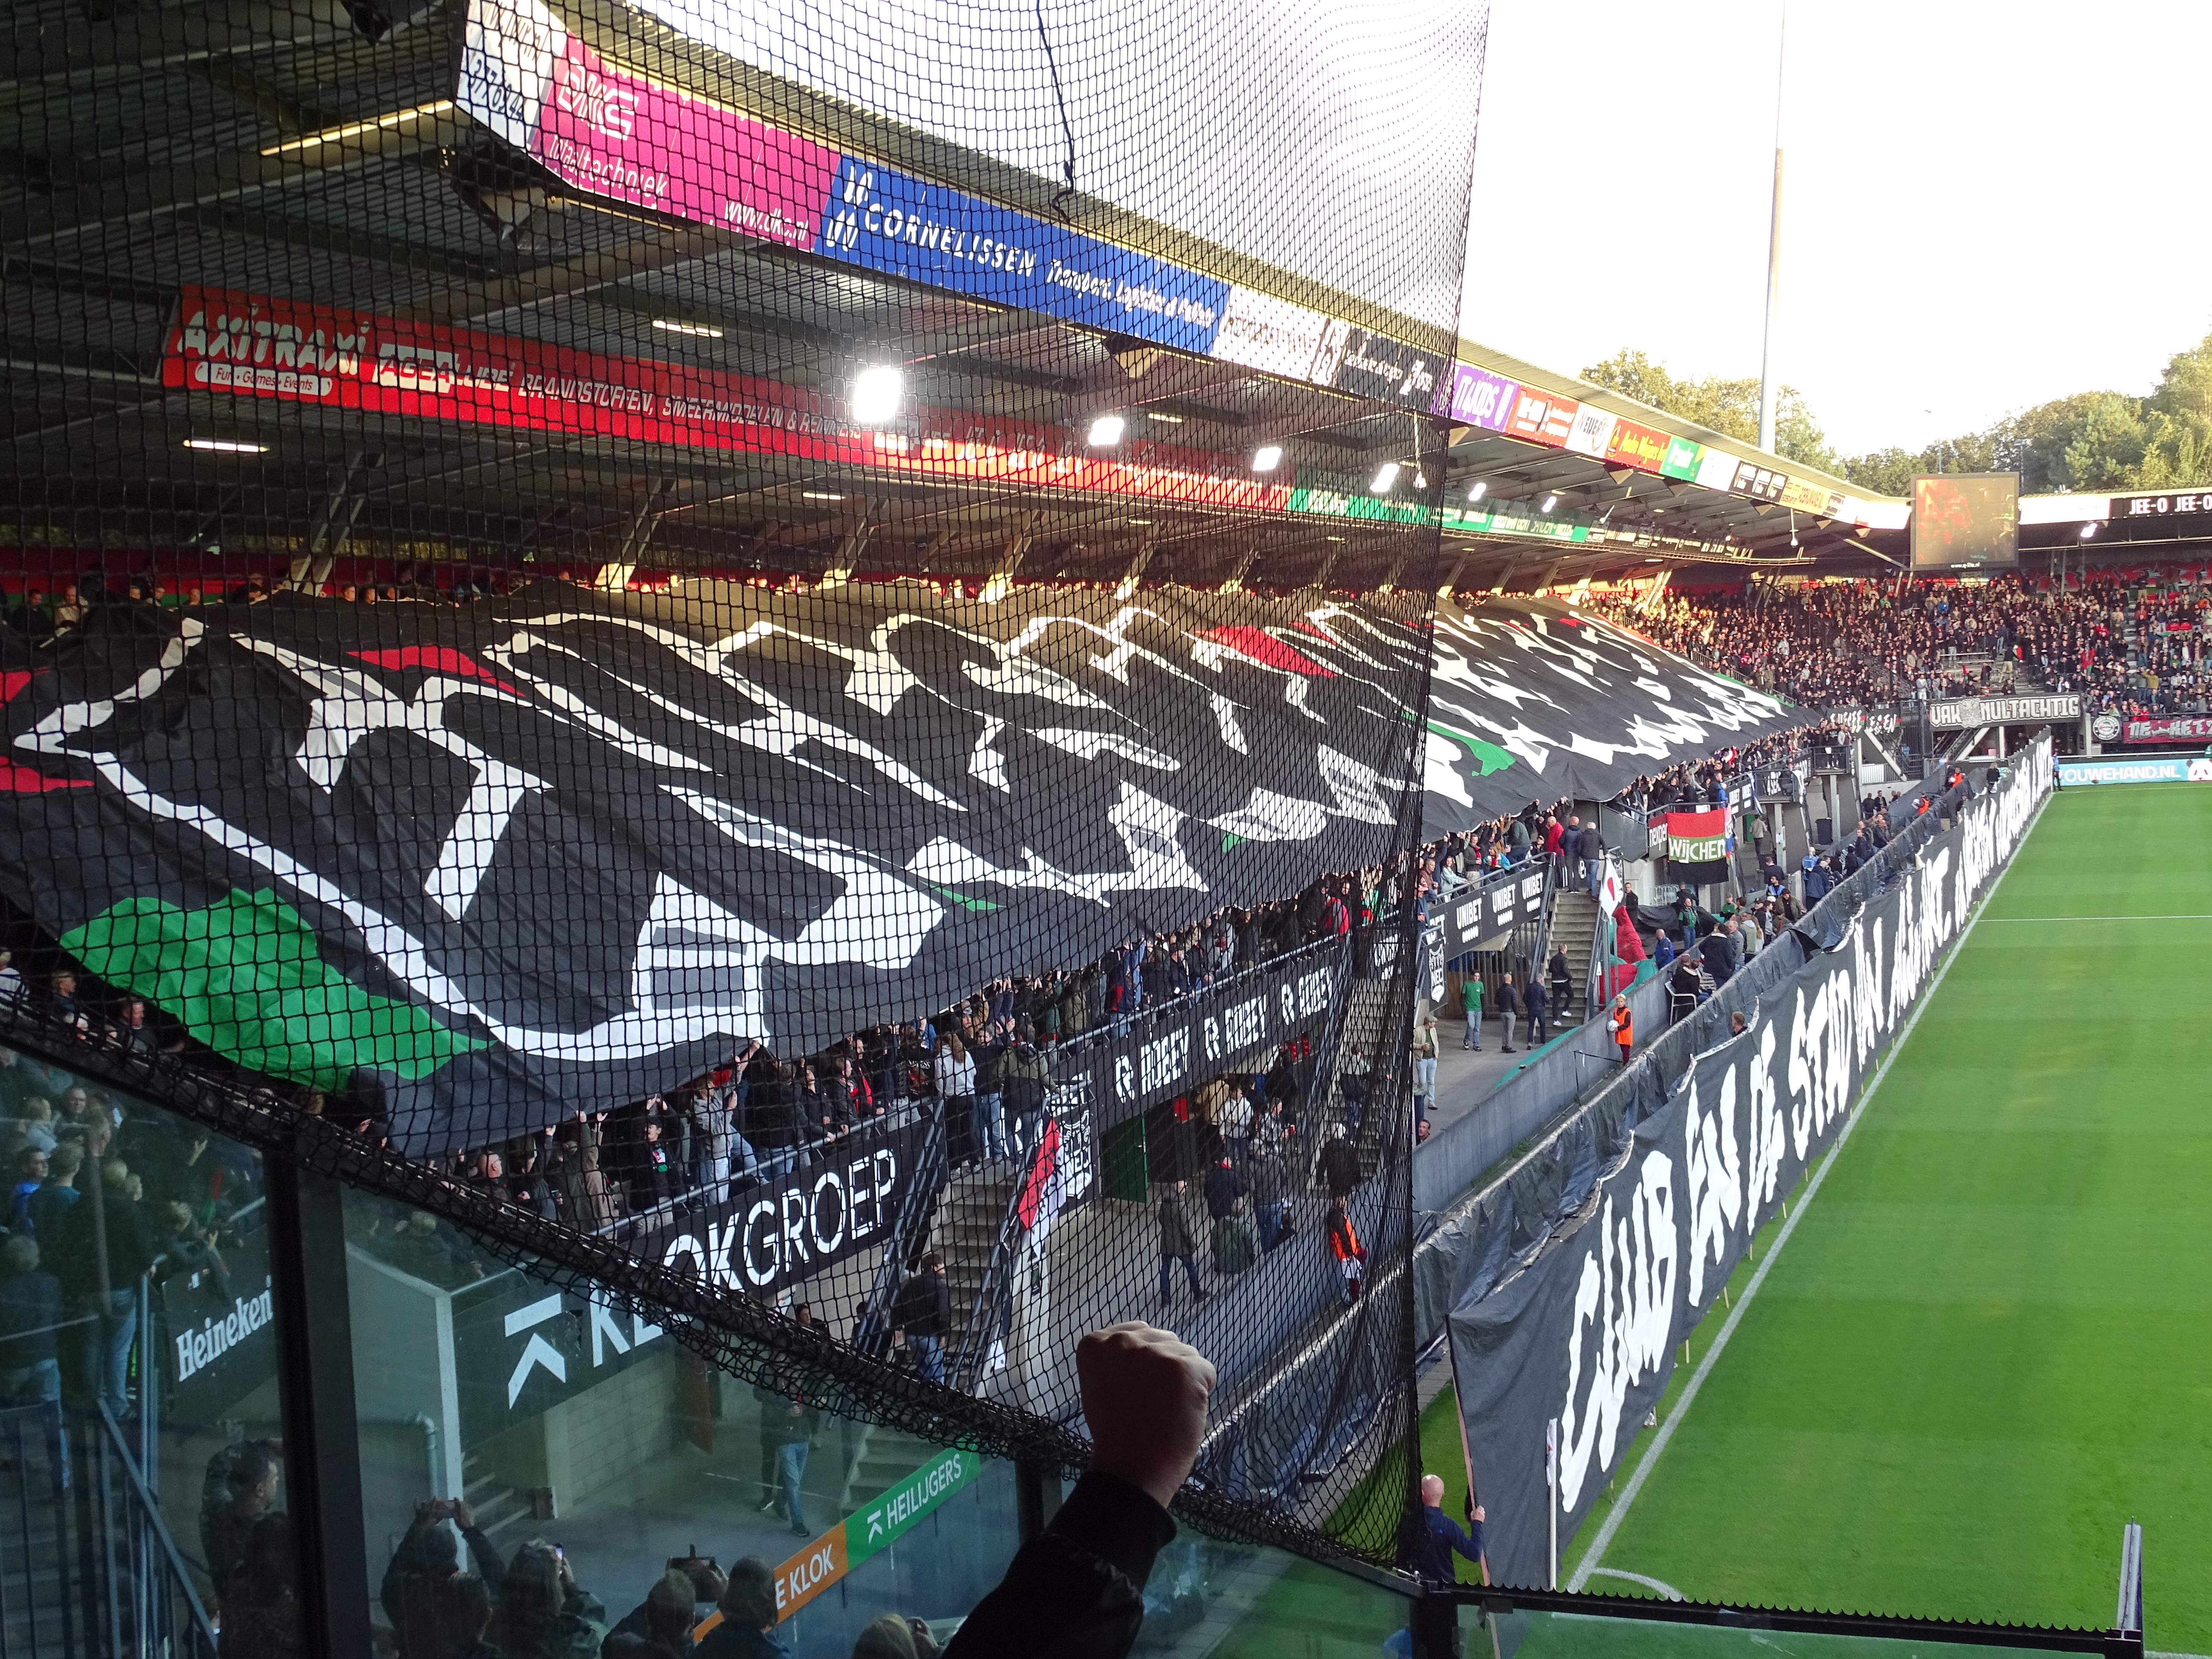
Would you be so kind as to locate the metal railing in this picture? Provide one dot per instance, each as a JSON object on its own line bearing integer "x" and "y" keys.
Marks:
{"x": 87, "y": 1565}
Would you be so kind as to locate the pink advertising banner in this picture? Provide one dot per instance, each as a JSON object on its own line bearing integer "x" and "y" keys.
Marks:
{"x": 612, "y": 131}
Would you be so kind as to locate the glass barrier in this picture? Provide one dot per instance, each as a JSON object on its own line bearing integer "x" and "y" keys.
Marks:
{"x": 557, "y": 1429}
{"x": 138, "y": 1369}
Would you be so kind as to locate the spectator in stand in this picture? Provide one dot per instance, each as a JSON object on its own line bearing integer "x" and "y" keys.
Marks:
{"x": 260, "y": 1608}
{"x": 237, "y": 1494}
{"x": 921, "y": 1314}
{"x": 956, "y": 1086}
{"x": 428, "y": 1621}
{"x": 106, "y": 1247}
{"x": 1272, "y": 1178}
{"x": 1425, "y": 1069}
{"x": 747, "y": 1604}
{"x": 1179, "y": 1238}
{"x": 1536, "y": 1003}
{"x": 1339, "y": 1164}
{"x": 1509, "y": 1009}
{"x": 30, "y": 1358}
{"x": 1343, "y": 1245}
{"x": 1353, "y": 1079}
{"x": 543, "y": 1615}
{"x": 31, "y": 1171}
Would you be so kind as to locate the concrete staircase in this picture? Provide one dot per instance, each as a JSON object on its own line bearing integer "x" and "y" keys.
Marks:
{"x": 965, "y": 1232}
{"x": 1574, "y": 928}
{"x": 881, "y": 1459}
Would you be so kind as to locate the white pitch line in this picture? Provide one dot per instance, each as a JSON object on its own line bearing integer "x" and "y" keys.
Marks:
{"x": 2190, "y": 915}
{"x": 1658, "y": 1444}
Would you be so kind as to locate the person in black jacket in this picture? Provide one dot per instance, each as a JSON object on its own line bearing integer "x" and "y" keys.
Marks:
{"x": 427, "y": 1561}
{"x": 1076, "y": 1591}
{"x": 104, "y": 1289}
{"x": 1509, "y": 1009}
{"x": 921, "y": 1314}
{"x": 1533, "y": 999}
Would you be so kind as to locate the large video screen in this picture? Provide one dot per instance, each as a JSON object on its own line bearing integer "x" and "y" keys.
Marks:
{"x": 1965, "y": 521}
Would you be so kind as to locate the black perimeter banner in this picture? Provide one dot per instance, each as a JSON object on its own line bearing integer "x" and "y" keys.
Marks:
{"x": 1589, "y": 1333}
{"x": 491, "y": 863}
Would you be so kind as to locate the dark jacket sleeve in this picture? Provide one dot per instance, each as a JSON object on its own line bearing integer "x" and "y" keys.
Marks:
{"x": 1075, "y": 1592}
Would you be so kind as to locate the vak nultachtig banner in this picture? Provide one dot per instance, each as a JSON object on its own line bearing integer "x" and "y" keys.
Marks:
{"x": 1589, "y": 1333}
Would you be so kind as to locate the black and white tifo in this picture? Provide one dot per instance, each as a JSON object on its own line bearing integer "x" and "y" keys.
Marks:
{"x": 493, "y": 861}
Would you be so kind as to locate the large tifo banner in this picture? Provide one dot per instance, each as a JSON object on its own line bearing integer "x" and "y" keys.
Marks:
{"x": 486, "y": 864}
{"x": 1588, "y": 1333}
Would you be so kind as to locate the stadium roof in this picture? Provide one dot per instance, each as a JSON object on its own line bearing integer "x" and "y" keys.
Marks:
{"x": 332, "y": 169}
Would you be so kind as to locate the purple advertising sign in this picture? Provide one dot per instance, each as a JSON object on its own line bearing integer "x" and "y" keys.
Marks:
{"x": 605, "y": 130}
{"x": 1476, "y": 396}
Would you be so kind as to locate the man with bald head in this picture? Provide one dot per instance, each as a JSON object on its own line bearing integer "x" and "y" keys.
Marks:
{"x": 1426, "y": 1547}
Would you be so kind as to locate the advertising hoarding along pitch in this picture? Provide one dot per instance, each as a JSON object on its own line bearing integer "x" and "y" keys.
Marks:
{"x": 278, "y": 349}
{"x": 2169, "y": 729}
{"x": 2175, "y": 769}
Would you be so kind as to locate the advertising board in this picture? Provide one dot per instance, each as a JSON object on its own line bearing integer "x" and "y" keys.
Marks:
{"x": 2150, "y": 768}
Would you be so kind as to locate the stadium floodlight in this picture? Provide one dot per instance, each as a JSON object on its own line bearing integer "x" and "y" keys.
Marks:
{"x": 1479, "y": 490}
{"x": 1549, "y": 502}
{"x": 819, "y": 495}
{"x": 703, "y": 330}
{"x": 227, "y": 446}
{"x": 876, "y": 392}
{"x": 1421, "y": 481}
{"x": 1162, "y": 418}
{"x": 2088, "y": 531}
{"x": 1386, "y": 479}
{"x": 1106, "y": 431}
{"x": 1267, "y": 457}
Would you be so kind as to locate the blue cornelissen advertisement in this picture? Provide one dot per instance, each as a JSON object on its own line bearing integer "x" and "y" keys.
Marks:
{"x": 2159, "y": 768}
{"x": 948, "y": 238}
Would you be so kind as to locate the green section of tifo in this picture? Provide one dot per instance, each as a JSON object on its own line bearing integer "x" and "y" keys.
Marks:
{"x": 1988, "y": 1345}
{"x": 245, "y": 977}
{"x": 1488, "y": 754}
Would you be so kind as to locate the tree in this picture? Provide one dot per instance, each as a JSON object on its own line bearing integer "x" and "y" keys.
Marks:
{"x": 1729, "y": 407}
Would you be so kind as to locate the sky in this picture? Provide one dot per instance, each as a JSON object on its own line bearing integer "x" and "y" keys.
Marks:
{"x": 1985, "y": 206}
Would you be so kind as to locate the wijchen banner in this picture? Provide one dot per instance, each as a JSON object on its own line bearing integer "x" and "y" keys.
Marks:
{"x": 1589, "y": 1331}
{"x": 479, "y": 866}
{"x": 1698, "y": 845}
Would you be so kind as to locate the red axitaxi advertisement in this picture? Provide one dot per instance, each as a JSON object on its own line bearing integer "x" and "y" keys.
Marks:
{"x": 283, "y": 348}
{"x": 2167, "y": 728}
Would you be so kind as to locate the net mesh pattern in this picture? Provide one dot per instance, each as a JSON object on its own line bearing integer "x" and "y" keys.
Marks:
{"x": 677, "y": 636}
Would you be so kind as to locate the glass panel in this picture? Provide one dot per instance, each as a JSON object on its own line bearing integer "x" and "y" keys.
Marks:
{"x": 558, "y": 1420}
{"x": 135, "y": 1277}
{"x": 1587, "y": 1635}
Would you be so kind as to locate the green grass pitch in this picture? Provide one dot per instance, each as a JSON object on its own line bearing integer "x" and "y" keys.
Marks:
{"x": 1989, "y": 1343}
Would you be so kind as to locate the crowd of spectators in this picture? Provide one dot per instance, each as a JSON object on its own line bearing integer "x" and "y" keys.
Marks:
{"x": 2130, "y": 641}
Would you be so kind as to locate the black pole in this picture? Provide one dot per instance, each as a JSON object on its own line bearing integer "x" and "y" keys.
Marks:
{"x": 322, "y": 1445}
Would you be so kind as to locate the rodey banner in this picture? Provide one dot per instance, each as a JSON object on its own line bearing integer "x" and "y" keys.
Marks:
{"x": 1589, "y": 1333}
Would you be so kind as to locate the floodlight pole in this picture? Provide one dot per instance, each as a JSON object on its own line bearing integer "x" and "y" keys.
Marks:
{"x": 1767, "y": 388}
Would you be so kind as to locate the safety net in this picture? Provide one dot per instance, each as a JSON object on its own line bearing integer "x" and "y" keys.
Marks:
{"x": 771, "y": 654}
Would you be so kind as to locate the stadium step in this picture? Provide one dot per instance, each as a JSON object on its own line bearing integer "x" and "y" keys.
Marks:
{"x": 499, "y": 1507}
{"x": 1574, "y": 928}
{"x": 881, "y": 1459}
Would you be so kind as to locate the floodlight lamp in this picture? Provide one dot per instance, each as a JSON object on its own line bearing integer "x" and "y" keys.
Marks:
{"x": 1549, "y": 502}
{"x": 1477, "y": 491}
{"x": 1106, "y": 431}
{"x": 1267, "y": 457}
{"x": 2088, "y": 531}
{"x": 226, "y": 446}
{"x": 876, "y": 392}
{"x": 1421, "y": 481}
{"x": 1386, "y": 479}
